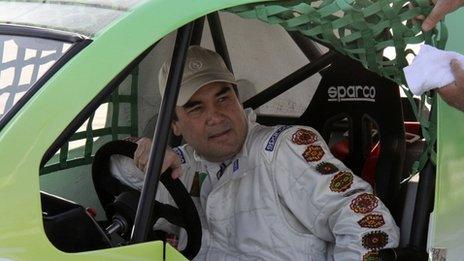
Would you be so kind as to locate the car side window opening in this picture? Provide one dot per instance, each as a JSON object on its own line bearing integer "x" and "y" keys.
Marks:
{"x": 23, "y": 61}
{"x": 131, "y": 108}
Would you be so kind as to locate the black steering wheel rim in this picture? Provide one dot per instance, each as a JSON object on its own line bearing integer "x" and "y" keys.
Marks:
{"x": 185, "y": 215}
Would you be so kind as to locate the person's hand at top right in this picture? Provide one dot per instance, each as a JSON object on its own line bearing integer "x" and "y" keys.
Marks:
{"x": 453, "y": 93}
{"x": 441, "y": 8}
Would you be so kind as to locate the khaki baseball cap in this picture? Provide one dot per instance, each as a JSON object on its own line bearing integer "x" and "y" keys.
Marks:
{"x": 202, "y": 66}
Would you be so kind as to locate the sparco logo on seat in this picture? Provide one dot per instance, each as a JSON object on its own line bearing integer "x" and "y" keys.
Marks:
{"x": 351, "y": 93}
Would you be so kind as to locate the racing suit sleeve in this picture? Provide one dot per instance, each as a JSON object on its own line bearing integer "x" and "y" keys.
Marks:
{"x": 124, "y": 170}
{"x": 328, "y": 199}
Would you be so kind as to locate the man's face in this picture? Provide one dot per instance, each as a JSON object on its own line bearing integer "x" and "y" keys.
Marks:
{"x": 213, "y": 122}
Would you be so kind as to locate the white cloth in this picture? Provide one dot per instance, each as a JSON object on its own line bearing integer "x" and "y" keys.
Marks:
{"x": 430, "y": 69}
{"x": 273, "y": 204}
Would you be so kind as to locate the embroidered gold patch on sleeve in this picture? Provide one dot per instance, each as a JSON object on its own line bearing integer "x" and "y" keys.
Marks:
{"x": 364, "y": 203}
{"x": 372, "y": 221}
{"x": 304, "y": 137}
{"x": 313, "y": 153}
{"x": 341, "y": 181}
{"x": 371, "y": 256}
{"x": 375, "y": 240}
{"x": 326, "y": 168}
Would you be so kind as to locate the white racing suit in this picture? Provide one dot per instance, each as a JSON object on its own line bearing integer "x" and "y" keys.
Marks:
{"x": 283, "y": 197}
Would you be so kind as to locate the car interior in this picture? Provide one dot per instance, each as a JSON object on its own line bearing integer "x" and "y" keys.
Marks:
{"x": 363, "y": 117}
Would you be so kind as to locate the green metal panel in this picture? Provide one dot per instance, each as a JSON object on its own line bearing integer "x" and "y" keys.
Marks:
{"x": 448, "y": 229}
{"x": 30, "y": 133}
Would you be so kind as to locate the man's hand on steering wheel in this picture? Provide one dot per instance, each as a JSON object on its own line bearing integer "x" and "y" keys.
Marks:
{"x": 171, "y": 160}
{"x": 120, "y": 201}
{"x": 142, "y": 153}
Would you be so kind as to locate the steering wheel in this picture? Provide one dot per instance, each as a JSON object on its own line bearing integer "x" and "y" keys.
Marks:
{"x": 117, "y": 198}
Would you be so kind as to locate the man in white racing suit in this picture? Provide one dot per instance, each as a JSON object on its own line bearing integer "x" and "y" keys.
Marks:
{"x": 262, "y": 193}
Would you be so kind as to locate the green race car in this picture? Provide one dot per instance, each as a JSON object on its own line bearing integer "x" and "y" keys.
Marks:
{"x": 77, "y": 76}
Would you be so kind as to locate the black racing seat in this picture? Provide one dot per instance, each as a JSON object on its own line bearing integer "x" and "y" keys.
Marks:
{"x": 350, "y": 94}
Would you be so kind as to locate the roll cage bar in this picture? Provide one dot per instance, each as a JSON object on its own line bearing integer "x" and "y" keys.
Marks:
{"x": 163, "y": 127}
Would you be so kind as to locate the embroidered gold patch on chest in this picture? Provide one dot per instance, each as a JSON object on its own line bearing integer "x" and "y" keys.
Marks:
{"x": 195, "y": 189}
{"x": 313, "y": 153}
{"x": 198, "y": 179}
{"x": 304, "y": 137}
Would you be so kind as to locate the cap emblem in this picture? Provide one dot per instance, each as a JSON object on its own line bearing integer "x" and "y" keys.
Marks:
{"x": 195, "y": 65}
